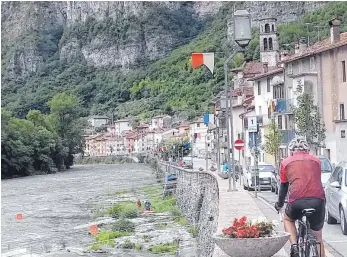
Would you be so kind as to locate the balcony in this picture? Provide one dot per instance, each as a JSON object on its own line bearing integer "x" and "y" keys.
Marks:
{"x": 284, "y": 105}
{"x": 288, "y": 136}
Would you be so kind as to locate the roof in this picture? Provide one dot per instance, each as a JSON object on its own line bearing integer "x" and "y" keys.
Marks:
{"x": 184, "y": 125}
{"x": 200, "y": 120}
{"x": 99, "y": 117}
{"x": 270, "y": 72}
{"x": 118, "y": 121}
{"x": 247, "y": 91}
{"x": 143, "y": 126}
{"x": 161, "y": 116}
{"x": 318, "y": 47}
{"x": 250, "y": 68}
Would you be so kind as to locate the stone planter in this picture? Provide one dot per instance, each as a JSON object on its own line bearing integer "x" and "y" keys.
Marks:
{"x": 252, "y": 247}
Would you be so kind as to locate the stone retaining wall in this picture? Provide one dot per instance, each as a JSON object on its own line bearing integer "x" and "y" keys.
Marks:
{"x": 197, "y": 196}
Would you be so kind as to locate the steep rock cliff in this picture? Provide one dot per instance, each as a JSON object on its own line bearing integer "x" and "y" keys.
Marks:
{"x": 89, "y": 48}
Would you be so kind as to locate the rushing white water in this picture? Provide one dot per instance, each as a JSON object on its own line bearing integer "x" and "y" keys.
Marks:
{"x": 53, "y": 206}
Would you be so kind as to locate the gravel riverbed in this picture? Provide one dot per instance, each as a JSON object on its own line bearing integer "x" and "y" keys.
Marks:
{"x": 57, "y": 208}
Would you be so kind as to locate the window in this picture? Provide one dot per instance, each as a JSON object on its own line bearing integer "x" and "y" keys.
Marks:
{"x": 260, "y": 111}
{"x": 278, "y": 92}
{"x": 268, "y": 88}
{"x": 335, "y": 175}
{"x": 198, "y": 125}
{"x": 342, "y": 111}
{"x": 273, "y": 27}
{"x": 343, "y": 71}
{"x": 265, "y": 44}
{"x": 312, "y": 63}
{"x": 343, "y": 133}
{"x": 290, "y": 68}
{"x": 267, "y": 28}
{"x": 259, "y": 88}
{"x": 300, "y": 66}
{"x": 279, "y": 120}
{"x": 270, "y": 44}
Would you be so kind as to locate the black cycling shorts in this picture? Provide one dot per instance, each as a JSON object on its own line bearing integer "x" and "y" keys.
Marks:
{"x": 294, "y": 211}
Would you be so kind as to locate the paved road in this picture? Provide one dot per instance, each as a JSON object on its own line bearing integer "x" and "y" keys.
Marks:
{"x": 53, "y": 205}
{"x": 332, "y": 233}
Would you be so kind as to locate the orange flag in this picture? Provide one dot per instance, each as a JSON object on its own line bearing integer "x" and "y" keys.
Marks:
{"x": 93, "y": 229}
{"x": 206, "y": 59}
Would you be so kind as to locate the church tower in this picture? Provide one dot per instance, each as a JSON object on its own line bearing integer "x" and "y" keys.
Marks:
{"x": 268, "y": 41}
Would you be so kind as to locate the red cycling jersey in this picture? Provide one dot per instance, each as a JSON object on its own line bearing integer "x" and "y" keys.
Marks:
{"x": 303, "y": 172}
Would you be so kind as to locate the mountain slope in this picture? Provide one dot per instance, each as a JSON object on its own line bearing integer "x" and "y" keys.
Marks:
{"x": 107, "y": 54}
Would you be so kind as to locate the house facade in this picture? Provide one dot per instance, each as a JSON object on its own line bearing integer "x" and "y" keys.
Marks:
{"x": 121, "y": 125}
{"x": 98, "y": 121}
{"x": 321, "y": 70}
{"x": 161, "y": 122}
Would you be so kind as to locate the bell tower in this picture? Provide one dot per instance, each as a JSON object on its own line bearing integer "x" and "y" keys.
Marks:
{"x": 268, "y": 41}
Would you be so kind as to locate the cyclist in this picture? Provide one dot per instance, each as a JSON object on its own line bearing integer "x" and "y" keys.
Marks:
{"x": 301, "y": 174}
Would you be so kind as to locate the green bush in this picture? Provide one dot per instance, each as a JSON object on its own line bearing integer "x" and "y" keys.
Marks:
{"x": 128, "y": 244}
{"x": 165, "y": 248}
{"x": 124, "y": 225}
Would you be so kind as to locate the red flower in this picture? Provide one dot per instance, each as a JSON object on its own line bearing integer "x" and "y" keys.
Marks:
{"x": 241, "y": 229}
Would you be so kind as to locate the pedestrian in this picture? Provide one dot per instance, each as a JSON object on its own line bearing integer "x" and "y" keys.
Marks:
{"x": 138, "y": 203}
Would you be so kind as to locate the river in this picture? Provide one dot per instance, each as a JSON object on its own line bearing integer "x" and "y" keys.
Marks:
{"x": 53, "y": 205}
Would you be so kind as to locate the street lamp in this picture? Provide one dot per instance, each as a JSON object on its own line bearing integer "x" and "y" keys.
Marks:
{"x": 242, "y": 28}
{"x": 242, "y": 37}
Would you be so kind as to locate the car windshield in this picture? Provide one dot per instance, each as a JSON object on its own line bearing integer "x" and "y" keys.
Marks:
{"x": 264, "y": 168}
{"x": 326, "y": 167}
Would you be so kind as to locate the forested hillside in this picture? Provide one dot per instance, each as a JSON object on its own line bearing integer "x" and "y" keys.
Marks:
{"x": 139, "y": 66}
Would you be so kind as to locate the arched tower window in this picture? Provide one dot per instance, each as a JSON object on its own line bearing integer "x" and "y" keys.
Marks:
{"x": 265, "y": 44}
{"x": 267, "y": 28}
{"x": 270, "y": 44}
{"x": 273, "y": 27}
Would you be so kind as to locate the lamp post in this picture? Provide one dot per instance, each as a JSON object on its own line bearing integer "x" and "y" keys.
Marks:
{"x": 242, "y": 37}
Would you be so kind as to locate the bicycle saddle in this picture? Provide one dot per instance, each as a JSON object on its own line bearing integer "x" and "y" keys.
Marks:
{"x": 308, "y": 212}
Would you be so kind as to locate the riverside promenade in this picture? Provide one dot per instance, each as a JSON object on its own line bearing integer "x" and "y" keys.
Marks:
{"x": 243, "y": 203}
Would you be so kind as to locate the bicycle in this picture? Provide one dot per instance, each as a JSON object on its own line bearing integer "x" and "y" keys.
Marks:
{"x": 306, "y": 241}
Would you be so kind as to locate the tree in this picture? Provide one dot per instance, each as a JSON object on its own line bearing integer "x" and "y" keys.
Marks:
{"x": 65, "y": 113}
{"x": 273, "y": 140}
{"x": 308, "y": 120}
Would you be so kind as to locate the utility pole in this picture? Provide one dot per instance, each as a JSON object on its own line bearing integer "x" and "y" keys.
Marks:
{"x": 229, "y": 120}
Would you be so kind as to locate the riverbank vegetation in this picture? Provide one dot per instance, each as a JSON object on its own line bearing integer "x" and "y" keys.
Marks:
{"x": 41, "y": 143}
{"x": 142, "y": 232}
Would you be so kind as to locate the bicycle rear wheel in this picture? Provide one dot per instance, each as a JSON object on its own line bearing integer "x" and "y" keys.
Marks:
{"x": 311, "y": 248}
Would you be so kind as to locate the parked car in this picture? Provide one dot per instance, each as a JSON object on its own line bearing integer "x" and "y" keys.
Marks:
{"x": 336, "y": 196}
{"x": 327, "y": 169}
{"x": 275, "y": 181}
{"x": 187, "y": 164}
{"x": 264, "y": 180}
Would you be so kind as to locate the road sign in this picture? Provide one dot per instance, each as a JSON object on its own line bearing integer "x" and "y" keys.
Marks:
{"x": 19, "y": 216}
{"x": 239, "y": 144}
{"x": 252, "y": 124}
